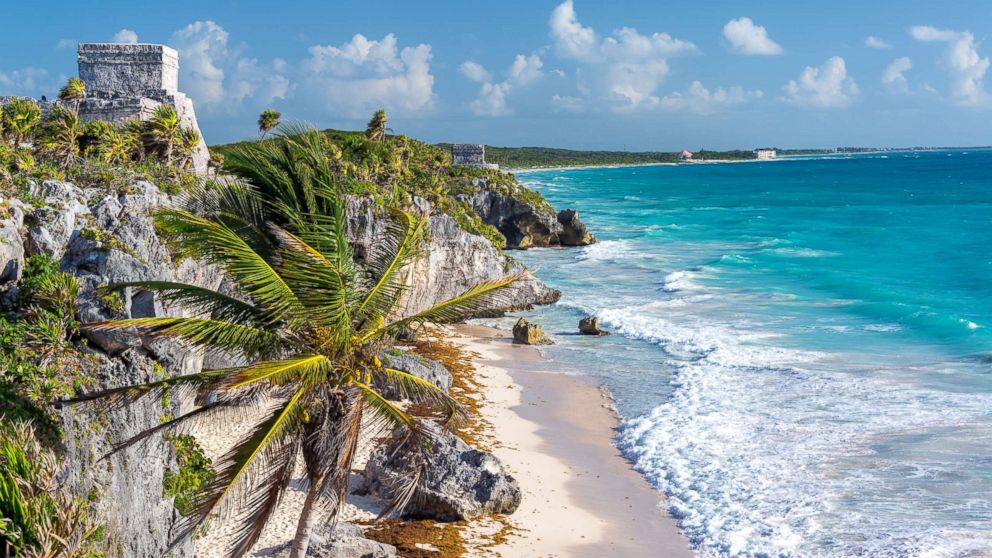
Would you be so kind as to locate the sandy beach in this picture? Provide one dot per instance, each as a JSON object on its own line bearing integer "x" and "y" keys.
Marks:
{"x": 581, "y": 498}
{"x": 553, "y": 432}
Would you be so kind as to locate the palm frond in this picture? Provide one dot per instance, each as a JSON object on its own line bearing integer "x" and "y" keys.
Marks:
{"x": 419, "y": 390}
{"x": 251, "y": 469}
{"x": 395, "y": 252}
{"x": 383, "y": 409}
{"x": 217, "y": 244}
{"x": 247, "y": 341}
{"x": 324, "y": 293}
{"x": 453, "y": 309}
{"x": 303, "y": 370}
{"x": 199, "y": 300}
{"x": 121, "y": 396}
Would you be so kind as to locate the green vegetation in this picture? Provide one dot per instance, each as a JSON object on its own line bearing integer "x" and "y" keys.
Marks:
{"x": 268, "y": 121}
{"x": 195, "y": 472}
{"x": 38, "y": 516}
{"x": 57, "y": 145}
{"x": 308, "y": 320}
{"x": 540, "y": 157}
{"x": 393, "y": 169}
{"x": 38, "y": 362}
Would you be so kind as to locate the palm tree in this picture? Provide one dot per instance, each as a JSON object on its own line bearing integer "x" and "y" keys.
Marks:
{"x": 20, "y": 118}
{"x": 268, "y": 121}
{"x": 74, "y": 91}
{"x": 308, "y": 324}
{"x": 376, "y": 129}
{"x": 60, "y": 134}
{"x": 162, "y": 131}
{"x": 186, "y": 143}
{"x": 110, "y": 143}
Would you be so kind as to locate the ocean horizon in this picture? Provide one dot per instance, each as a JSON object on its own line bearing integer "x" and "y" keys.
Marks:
{"x": 801, "y": 349}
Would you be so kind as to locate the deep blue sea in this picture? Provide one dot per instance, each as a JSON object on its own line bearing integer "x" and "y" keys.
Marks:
{"x": 802, "y": 349}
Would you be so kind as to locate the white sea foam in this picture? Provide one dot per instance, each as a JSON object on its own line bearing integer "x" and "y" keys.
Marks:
{"x": 607, "y": 250}
{"x": 751, "y": 445}
{"x": 678, "y": 281}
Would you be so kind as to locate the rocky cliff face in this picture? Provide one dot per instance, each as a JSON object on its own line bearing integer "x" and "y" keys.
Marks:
{"x": 454, "y": 261}
{"x": 104, "y": 238}
{"x": 526, "y": 225}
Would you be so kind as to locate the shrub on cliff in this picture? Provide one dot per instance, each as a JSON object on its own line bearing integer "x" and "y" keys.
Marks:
{"x": 307, "y": 321}
{"x": 38, "y": 517}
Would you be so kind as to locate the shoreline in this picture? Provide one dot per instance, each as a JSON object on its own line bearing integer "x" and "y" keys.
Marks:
{"x": 635, "y": 165}
{"x": 581, "y": 497}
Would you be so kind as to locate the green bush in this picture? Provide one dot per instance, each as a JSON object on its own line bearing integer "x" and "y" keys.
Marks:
{"x": 38, "y": 516}
{"x": 195, "y": 471}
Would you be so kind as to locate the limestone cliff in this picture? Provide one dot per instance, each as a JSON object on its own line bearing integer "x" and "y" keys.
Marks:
{"x": 107, "y": 237}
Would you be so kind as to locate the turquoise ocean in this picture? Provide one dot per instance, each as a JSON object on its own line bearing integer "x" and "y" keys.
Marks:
{"x": 801, "y": 350}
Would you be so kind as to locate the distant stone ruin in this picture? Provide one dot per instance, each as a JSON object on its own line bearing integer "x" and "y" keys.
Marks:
{"x": 129, "y": 81}
{"x": 470, "y": 155}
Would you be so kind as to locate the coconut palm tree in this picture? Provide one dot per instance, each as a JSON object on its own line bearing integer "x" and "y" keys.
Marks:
{"x": 307, "y": 323}
{"x": 60, "y": 133}
{"x": 20, "y": 118}
{"x": 73, "y": 92}
{"x": 162, "y": 131}
{"x": 376, "y": 129}
{"x": 268, "y": 121}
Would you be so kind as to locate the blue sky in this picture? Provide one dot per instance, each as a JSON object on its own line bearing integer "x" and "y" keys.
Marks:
{"x": 591, "y": 75}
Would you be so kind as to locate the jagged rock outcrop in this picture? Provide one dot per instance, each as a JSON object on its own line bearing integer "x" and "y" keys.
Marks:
{"x": 454, "y": 261}
{"x": 460, "y": 482}
{"x": 525, "y": 225}
{"x": 11, "y": 243}
{"x": 527, "y": 333}
{"x": 103, "y": 238}
{"x": 573, "y": 231}
{"x": 421, "y": 367}
{"x": 590, "y": 326}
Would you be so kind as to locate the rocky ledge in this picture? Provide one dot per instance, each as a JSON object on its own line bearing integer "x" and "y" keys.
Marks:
{"x": 524, "y": 224}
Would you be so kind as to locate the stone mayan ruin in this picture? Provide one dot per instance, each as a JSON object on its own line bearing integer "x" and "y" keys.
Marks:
{"x": 470, "y": 155}
{"x": 129, "y": 81}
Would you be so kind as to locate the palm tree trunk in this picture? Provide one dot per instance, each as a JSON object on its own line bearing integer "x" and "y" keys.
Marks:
{"x": 301, "y": 542}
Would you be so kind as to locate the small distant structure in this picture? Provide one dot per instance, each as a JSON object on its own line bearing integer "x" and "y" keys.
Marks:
{"x": 470, "y": 155}
{"x": 765, "y": 154}
{"x": 685, "y": 155}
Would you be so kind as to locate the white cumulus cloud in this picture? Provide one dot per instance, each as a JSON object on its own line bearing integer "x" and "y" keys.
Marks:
{"x": 218, "y": 76}
{"x": 492, "y": 98}
{"x": 747, "y": 37}
{"x": 965, "y": 65}
{"x": 125, "y": 36}
{"x": 894, "y": 75}
{"x": 475, "y": 72}
{"x": 874, "y": 42}
{"x": 362, "y": 75}
{"x": 699, "y": 99}
{"x": 826, "y": 86}
{"x": 625, "y": 68}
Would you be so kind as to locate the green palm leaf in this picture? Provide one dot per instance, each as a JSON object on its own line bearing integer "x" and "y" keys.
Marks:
{"x": 419, "y": 390}
{"x": 306, "y": 370}
{"x": 215, "y": 243}
{"x": 399, "y": 250}
{"x": 198, "y": 300}
{"x": 201, "y": 332}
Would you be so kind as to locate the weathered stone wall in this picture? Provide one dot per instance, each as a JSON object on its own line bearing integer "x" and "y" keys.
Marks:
{"x": 124, "y": 70}
{"x": 468, "y": 155}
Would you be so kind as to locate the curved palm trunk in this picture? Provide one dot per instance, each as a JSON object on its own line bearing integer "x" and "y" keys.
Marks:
{"x": 301, "y": 541}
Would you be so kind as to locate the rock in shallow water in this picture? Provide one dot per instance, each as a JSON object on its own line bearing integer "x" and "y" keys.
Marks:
{"x": 460, "y": 482}
{"x": 573, "y": 231}
{"x": 527, "y": 333}
{"x": 590, "y": 326}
